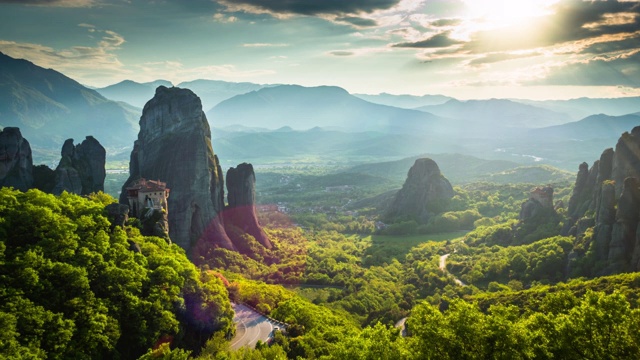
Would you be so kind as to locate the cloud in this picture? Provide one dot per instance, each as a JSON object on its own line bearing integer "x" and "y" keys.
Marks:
{"x": 621, "y": 70}
{"x": 498, "y": 57}
{"x": 604, "y": 47}
{"x": 341, "y": 53}
{"x": 79, "y": 62}
{"x": 359, "y": 51}
{"x": 357, "y": 21}
{"x": 222, "y": 18}
{"x": 441, "y": 40}
{"x": 307, "y": 7}
{"x": 573, "y": 20}
{"x": 254, "y": 45}
{"x": 445, "y": 22}
{"x": 58, "y": 3}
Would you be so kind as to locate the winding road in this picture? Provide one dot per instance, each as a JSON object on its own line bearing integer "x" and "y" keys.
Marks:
{"x": 250, "y": 327}
{"x": 443, "y": 267}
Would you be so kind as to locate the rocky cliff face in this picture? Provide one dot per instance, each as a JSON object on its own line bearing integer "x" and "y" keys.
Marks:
{"x": 81, "y": 169}
{"x": 425, "y": 192}
{"x": 241, "y": 211}
{"x": 608, "y": 195}
{"x": 174, "y": 146}
{"x": 16, "y": 163}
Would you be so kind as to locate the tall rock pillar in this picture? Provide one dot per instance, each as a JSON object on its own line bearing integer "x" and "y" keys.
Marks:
{"x": 174, "y": 146}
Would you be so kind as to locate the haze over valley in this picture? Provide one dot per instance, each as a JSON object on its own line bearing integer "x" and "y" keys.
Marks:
{"x": 254, "y": 179}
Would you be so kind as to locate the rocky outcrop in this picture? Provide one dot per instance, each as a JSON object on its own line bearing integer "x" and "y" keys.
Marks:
{"x": 425, "y": 192}
{"x": 626, "y": 162}
{"x": 81, "y": 169}
{"x": 174, "y": 146}
{"x": 611, "y": 198}
{"x": 155, "y": 222}
{"x": 241, "y": 211}
{"x": 540, "y": 200}
{"x": 118, "y": 214}
{"x": 16, "y": 163}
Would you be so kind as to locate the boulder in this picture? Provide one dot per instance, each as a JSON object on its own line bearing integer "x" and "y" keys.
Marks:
{"x": 16, "y": 163}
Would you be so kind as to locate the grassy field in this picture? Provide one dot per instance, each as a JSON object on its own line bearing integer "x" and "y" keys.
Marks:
{"x": 384, "y": 248}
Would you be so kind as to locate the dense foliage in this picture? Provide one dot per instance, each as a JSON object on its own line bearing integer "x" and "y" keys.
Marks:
{"x": 74, "y": 287}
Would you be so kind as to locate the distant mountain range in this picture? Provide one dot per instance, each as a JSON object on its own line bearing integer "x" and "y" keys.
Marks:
{"x": 497, "y": 113}
{"x": 211, "y": 92}
{"x": 405, "y": 101}
{"x": 253, "y": 121}
{"x": 303, "y": 108}
{"x": 594, "y": 126}
{"x": 583, "y": 107}
{"x": 49, "y": 108}
{"x": 131, "y": 92}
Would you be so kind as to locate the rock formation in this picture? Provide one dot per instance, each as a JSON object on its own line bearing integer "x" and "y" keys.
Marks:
{"x": 81, "y": 169}
{"x": 241, "y": 211}
{"x": 540, "y": 199}
{"x": 16, "y": 163}
{"x": 174, "y": 146}
{"x": 610, "y": 196}
{"x": 118, "y": 214}
{"x": 425, "y": 192}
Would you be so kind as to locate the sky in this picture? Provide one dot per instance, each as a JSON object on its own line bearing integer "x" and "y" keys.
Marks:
{"x": 468, "y": 49}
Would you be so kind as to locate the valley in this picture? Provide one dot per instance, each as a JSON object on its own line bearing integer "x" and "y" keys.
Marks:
{"x": 480, "y": 223}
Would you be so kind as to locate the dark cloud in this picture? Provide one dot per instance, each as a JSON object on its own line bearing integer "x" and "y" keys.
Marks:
{"x": 445, "y": 22}
{"x": 602, "y": 71}
{"x": 314, "y": 7}
{"x": 612, "y": 46}
{"x": 357, "y": 21}
{"x": 498, "y": 57}
{"x": 60, "y": 3}
{"x": 574, "y": 20}
{"x": 441, "y": 40}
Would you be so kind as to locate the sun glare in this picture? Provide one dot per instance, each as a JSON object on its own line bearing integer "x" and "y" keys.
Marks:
{"x": 499, "y": 13}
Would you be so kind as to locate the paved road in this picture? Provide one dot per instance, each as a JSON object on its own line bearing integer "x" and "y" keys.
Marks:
{"x": 401, "y": 325}
{"x": 443, "y": 267}
{"x": 250, "y": 327}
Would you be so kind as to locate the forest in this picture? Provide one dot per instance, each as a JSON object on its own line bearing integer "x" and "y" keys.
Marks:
{"x": 75, "y": 285}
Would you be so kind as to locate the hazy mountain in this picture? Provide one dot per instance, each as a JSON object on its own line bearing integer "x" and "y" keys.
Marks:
{"x": 327, "y": 145}
{"x": 306, "y": 107}
{"x": 49, "y": 108}
{"x": 593, "y": 127}
{"x": 131, "y": 92}
{"x": 490, "y": 115}
{"x": 583, "y": 107}
{"x": 404, "y": 101}
{"x": 212, "y": 92}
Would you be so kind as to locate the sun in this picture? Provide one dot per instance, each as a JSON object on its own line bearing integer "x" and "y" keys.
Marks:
{"x": 502, "y": 13}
